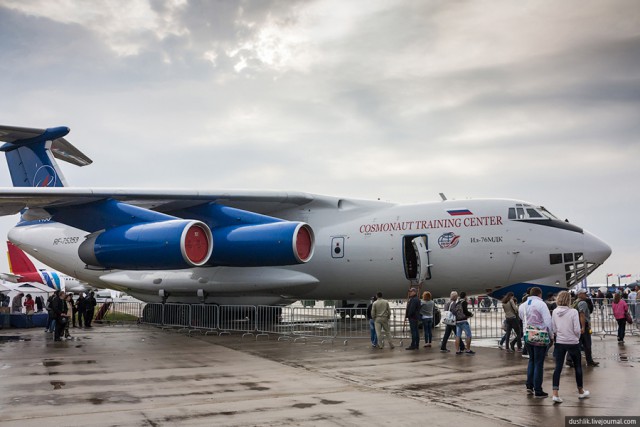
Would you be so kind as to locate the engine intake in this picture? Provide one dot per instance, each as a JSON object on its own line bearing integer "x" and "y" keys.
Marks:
{"x": 172, "y": 244}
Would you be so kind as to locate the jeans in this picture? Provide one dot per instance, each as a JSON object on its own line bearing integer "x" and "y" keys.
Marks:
{"x": 415, "y": 334}
{"x": 559, "y": 352}
{"x": 372, "y": 329}
{"x": 427, "y": 325}
{"x": 622, "y": 327}
{"x": 513, "y": 324}
{"x": 445, "y": 338}
{"x": 463, "y": 327}
{"x": 585, "y": 340}
{"x": 535, "y": 369}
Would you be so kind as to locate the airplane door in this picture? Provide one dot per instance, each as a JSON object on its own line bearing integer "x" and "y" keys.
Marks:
{"x": 416, "y": 258}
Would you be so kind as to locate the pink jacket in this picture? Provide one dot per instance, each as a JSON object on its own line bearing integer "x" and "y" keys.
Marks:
{"x": 619, "y": 309}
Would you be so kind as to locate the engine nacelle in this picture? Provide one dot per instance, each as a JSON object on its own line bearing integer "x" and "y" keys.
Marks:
{"x": 172, "y": 244}
{"x": 259, "y": 245}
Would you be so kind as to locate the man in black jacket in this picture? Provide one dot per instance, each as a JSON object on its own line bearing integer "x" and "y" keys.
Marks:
{"x": 59, "y": 314}
{"x": 90, "y": 306}
{"x": 413, "y": 315}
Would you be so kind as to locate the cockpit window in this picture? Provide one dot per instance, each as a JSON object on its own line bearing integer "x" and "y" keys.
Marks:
{"x": 533, "y": 213}
{"x": 524, "y": 211}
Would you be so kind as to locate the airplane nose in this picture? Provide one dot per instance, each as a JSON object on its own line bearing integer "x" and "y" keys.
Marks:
{"x": 596, "y": 250}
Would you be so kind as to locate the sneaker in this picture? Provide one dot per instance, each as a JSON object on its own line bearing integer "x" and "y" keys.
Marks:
{"x": 445, "y": 350}
{"x": 458, "y": 353}
{"x": 529, "y": 390}
{"x": 510, "y": 351}
{"x": 526, "y": 356}
{"x": 411, "y": 348}
{"x": 593, "y": 364}
{"x": 470, "y": 352}
{"x": 500, "y": 346}
{"x": 541, "y": 395}
{"x": 584, "y": 394}
{"x": 427, "y": 345}
{"x": 557, "y": 399}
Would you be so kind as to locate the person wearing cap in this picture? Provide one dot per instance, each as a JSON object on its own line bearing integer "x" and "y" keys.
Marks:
{"x": 412, "y": 314}
{"x": 585, "y": 326}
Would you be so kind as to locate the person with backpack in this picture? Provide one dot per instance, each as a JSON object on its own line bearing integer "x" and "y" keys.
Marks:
{"x": 449, "y": 328}
{"x": 412, "y": 314}
{"x": 584, "y": 310}
{"x": 461, "y": 310}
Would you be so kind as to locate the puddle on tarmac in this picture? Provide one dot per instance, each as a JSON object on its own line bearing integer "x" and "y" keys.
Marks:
{"x": 623, "y": 357}
{"x": 12, "y": 338}
{"x": 49, "y": 363}
{"x": 57, "y": 385}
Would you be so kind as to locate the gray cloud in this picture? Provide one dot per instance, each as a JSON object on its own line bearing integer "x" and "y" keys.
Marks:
{"x": 397, "y": 100}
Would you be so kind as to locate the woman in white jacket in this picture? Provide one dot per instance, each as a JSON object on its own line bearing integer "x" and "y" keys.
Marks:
{"x": 565, "y": 323}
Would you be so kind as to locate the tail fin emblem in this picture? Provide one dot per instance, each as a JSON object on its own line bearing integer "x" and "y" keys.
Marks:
{"x": 45, "y": 177}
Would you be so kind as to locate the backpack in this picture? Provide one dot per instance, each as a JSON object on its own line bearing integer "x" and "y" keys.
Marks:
{"x": 456, "y": 309}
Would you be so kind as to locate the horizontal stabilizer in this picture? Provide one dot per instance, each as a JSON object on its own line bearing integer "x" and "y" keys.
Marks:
{"x": 62, "y": 149}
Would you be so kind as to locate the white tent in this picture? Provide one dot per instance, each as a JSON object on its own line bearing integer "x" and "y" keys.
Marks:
{"x": 32, "y": 288}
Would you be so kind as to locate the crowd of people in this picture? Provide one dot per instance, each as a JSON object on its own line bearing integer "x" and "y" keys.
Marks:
{"x": 63, "y": 311}
{"x": 533, "y": 326}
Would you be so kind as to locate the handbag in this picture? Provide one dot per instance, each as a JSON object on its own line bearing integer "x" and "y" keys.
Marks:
{"x": 628, "y": 317}
{"x": 449, "y": 318}
{"x": 535, "y": 336}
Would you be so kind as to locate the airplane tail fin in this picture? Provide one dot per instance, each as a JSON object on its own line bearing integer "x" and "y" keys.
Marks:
{"x": 30, "y": 155}
{"x": 19, "y": 263}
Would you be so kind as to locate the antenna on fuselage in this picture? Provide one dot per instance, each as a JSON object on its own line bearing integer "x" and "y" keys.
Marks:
{"x": 443, "y": 197}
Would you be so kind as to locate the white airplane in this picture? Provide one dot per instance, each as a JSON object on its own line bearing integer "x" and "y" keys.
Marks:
{"x": 23, "y": 270}
{"x": 268, "y": 247}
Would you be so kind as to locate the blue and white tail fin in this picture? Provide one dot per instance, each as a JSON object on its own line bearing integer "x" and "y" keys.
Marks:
{"x": 30, "y": 155}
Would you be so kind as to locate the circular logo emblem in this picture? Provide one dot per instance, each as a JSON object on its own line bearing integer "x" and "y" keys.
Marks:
{"x": 45, "y": 177}
{"x": 448, "y": 240}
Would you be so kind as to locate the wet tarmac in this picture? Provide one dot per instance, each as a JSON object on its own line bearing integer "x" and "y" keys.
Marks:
{"x": 144, "y": 376}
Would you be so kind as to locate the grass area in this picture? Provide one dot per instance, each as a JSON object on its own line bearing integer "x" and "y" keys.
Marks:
{"x": 117, "y": 316}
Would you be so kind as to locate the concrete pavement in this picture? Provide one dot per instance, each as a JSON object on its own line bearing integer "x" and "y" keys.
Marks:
{"x": 144, "y": 376}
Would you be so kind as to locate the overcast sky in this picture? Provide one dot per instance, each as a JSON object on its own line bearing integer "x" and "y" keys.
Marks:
{"x": 397, "y": 100}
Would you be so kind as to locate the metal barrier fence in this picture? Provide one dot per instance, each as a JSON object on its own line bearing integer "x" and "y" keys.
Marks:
{"x": 324, "y": 324}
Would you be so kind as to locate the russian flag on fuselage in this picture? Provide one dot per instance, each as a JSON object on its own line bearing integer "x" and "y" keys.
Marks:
{"x": 457, "y": 212}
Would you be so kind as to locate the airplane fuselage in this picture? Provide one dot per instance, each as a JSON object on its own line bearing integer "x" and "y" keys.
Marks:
{"x": 361, "y": 248}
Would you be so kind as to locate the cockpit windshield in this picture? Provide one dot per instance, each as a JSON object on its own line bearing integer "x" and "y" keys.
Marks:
{"x": 525, "y": 211}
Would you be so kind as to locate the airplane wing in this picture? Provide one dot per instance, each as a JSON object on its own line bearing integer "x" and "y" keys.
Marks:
{"x": 15, "y": 199}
